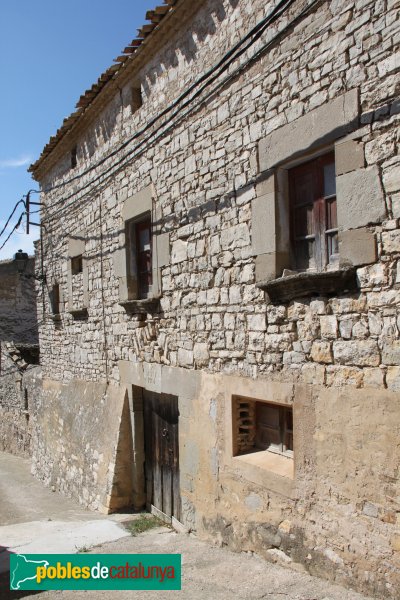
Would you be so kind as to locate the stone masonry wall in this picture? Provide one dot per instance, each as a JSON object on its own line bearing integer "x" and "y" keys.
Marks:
{"x": 203, "y": 167}
{"x": 18, "y": 329}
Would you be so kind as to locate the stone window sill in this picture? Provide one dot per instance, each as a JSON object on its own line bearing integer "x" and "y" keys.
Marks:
{"x": 303, "y": 284}
{"x": 269, "y": 461}
{"x": 142, "y": 306}
{"x": 79, "y": 313}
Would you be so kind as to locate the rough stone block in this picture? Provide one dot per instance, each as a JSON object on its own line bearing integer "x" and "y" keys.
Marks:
{"x": 391, "y": 353}
{"x": 391, "y": 241}
{"x": 357, "y": 247}
{"x": 179, "y": 251}
{"x": 322, "y": 125}
{"x": 329, "y": 326}
{"x": 263, "y": 236}
{"x": 349, "y": 156}
{"x": 360, "y": 198}
{"x": 321, "y": 352}
{"x": 391, "y": 179}
{"x": 162, "y": 249}
{"x": 393, "y": 379}
{"x": 362, "y": 353}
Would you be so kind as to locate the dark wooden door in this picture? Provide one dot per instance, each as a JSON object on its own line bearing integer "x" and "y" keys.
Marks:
{"x": 161, "y": 421}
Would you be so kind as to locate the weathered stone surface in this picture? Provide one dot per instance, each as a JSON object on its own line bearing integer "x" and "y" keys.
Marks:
{"x": 323, "y": 124}
{"x": 393, "y": 379}
{"x": 217, "y": 335}
{"x": 391, "y": 352}
{"x": 360, "y": 353}
{"x": 263, "y": 220}
{"x": 391, "y": 241}
{"x": 349, "y": 156}
{"x": 321, "y": 352}
{"x": 360, "y": 198}
{"x": 179, "y": 251}
{"x": 357, "y": 247}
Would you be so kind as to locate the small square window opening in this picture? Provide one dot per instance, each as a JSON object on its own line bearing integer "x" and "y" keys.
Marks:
{"x": 261, "y": 426}
{"x": 136, "y": 98}
{"x": 76, "y": 265}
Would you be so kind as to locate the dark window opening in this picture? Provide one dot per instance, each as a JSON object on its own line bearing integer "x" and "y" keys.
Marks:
{"x": 55, "y": 299}
{"x": 76, "y": 265}
{"x": 29, "y": 353}
{"x": 143, "y": 240}
{"x": 314, "y": 230}
{"x": 74, "y": 161}
{"x": 136, "y": 98}
{"x": 262, "y": 426}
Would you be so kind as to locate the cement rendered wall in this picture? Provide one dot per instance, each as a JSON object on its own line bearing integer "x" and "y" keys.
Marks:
{"x": 214, "y": 176}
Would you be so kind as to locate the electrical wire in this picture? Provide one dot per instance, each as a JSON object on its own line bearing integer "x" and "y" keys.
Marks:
{"x": 11, "y": 216}
{"x": 155, "y": 135}
{"x": 212, "y": 75}
{"x": 255, "y": 32}
{"x": 18, "y": 223}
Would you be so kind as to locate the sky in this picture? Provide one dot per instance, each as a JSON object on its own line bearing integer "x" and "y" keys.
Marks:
{"x": 50, "y": 53}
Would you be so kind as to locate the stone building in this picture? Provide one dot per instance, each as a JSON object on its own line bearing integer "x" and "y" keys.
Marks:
{"x": 19, "y": 351}
{"x": 222, "y": 247}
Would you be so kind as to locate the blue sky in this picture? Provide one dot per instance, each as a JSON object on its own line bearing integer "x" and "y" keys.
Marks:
{"x": 50, "y": 52}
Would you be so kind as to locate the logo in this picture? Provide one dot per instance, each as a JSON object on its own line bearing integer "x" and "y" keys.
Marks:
{"x": 95, "y": 572}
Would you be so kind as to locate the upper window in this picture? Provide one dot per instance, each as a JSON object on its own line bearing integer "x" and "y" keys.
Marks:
{"x": 314, "y": 230}
{"x": 76, "y": 264}
{"x": 136, "y": 98}
{"x": 55, "y": 299}
{"x": 140, "y": 250}
{"x": 74, "y": 160}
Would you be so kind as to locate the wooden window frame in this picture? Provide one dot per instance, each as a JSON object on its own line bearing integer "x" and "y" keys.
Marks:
{"x": 144, "y": 277}
{"x": 247, "y": 424}
{"x": 323, "y": 231}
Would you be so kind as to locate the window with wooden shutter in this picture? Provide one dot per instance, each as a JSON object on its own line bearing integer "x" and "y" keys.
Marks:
{"x": 262, "y": 426}
{"x": 139, "y": 256}
{"x": 144, "y": 257}
{"x": 313, "y": 214}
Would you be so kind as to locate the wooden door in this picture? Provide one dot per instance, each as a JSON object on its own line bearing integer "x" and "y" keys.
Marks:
{"x": 161, "y": 421}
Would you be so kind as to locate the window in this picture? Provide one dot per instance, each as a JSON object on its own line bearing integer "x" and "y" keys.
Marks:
{"x": 55, "y": 299}
{"x": 140, "y": 259}
{"x": 74, "y": 161}
{"x": 262, "y": 426}
{"x": 76, "y": 264}
{"x": 314, "y": 230}
{"x": 136, "y": 98}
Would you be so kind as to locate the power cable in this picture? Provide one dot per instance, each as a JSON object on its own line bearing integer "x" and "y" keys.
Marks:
{"x": 256, "y": 31}
{"x": 11, "y": 216}
{"x": 154, "y": 136}
{"x": 12, "y": 231}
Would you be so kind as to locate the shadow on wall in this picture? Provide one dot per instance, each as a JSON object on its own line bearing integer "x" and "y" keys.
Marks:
{"x": 188, "y": 45}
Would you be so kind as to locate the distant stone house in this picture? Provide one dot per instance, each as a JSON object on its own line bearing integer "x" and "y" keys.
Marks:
{"x": 19, "y": 352}
{"x": 221, "y": 248}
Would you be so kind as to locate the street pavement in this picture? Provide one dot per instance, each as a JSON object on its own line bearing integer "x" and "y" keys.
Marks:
{"x": 35, "y": 519}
